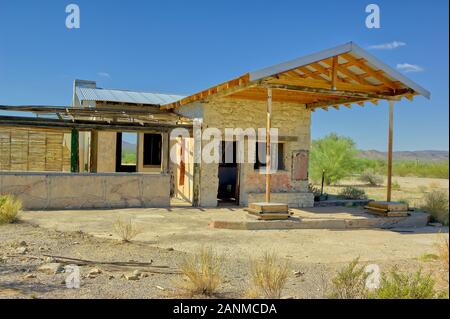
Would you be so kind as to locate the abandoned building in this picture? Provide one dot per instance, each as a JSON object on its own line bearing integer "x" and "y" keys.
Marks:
{"x": 73, "y": 156}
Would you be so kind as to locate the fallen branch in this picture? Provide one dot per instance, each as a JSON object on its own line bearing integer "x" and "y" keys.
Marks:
{"x": 114, "y": 263}
{"x": 159, "y": 269}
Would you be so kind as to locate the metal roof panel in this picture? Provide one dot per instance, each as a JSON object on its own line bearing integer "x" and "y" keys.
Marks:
{"x": 124, "y": 96}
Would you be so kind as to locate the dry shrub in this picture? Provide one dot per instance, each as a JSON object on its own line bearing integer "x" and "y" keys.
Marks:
{"x": 369, "y": 177}
{"x": 203, "y": 272}
{"x": 396, "y": 186}
{"x": 436, "y": 204}
{"x": 126, "y": 229}
{"x": 351, "y": 192}
{"x": 9, "y": 209}
{"x": 268, "y": 277}
{"x": 350, "y": 282}
{"x": 397, "y": 285}
{"x": 442, "y": 249}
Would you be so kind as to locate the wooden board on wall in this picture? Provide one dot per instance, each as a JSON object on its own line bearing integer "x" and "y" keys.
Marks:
{"x": 33, "y": 150}
{"x": 300, "y": 161}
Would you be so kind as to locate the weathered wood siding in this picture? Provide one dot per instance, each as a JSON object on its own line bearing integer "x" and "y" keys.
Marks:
{"x": 33, "y": 150}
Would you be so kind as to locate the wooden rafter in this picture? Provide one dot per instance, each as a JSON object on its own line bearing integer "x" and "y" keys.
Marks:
{"x": 360, "y": 63}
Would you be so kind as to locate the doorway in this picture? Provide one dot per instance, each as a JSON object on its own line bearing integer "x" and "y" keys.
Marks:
{"x": 228, "y": 192}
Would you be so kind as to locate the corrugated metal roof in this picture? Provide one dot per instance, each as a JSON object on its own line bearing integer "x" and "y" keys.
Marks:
{"x": 123, "y": 96}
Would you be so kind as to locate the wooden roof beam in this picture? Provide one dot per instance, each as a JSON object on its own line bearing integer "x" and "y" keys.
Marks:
{"x": 333, "y": 103}
{"x": 328, "y": 92}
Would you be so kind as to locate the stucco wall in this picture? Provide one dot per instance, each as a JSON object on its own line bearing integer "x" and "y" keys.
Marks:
{"x": 76, "y": 191}
{"x": 292, "y": 120}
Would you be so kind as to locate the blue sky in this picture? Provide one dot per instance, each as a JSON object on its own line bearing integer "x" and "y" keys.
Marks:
{"x": 185, "y": 46}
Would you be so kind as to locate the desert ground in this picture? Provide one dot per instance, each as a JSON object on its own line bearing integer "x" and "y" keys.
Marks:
{"x": 168, "y": 236}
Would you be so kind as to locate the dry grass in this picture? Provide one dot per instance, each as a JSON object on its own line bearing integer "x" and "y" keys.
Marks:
{"x": 436, "y": 204}
{"x": 268, "y": 277}
{"x": 442, "y": 249}
{"x": 203, "y": 272}
{"x": 9, "y": 209}
{"x": 126, "y": 229}
{"x": 350, "y": 282}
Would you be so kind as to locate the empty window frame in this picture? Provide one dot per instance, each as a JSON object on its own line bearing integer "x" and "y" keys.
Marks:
{"x": 277, "y": 155}
{"x": 152, "y": 149}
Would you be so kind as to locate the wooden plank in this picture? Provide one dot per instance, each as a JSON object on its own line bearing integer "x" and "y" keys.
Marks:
{"x": 267, "y": 207}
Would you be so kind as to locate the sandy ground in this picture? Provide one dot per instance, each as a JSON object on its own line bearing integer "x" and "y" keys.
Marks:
{"x": 186, "y": 229}
{"x": 168, "y": 235}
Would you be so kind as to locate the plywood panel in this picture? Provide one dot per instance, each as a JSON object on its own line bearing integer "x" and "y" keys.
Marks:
{"x": 300, "y": 161}
{"x": 33, "y": 150}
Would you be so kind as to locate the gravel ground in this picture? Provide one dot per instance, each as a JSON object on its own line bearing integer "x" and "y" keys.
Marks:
{"x": 20, "y": 278}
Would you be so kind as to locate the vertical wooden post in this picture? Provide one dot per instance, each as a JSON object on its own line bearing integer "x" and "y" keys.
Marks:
{"x": 334, "y": 73}
{"x": 391, "y": 133}
{"x": 74, "y": 154}
{"x": 268, "y": 125}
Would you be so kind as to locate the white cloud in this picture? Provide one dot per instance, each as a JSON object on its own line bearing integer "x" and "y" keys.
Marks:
{"x": 387, "y": 46}
{"x": 104, "y": 75}
{"x": 406, "y": 67}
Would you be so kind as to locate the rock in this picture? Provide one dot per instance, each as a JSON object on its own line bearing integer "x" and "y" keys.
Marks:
{"x": 41, "y": 248}
{"x": 94, "y": 271}
{"x": 131, "y": 277}
{"x": 160, "y": 288}
{"x": 51, "y": 268}
{"x": 137, "y": 272}
{"x": 298, "y": 273}
{"x": 435, "y": 224}
{"x": 110, "y": 277}
{"x": 76, "y": 243}
{"x": 170, "y": 249}
{"x": 144, "y": 275}
{"x": 21, "y": 250}
{"x": 23, "y": 244}
{"x": 29, "y": 276}
{"x": 49, "y": 260}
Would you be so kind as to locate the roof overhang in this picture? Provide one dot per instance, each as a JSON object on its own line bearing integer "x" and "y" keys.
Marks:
{"x": 343, "y": 75}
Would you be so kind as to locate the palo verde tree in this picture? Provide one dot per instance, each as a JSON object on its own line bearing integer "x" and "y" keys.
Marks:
{"x": 336, "y": 155}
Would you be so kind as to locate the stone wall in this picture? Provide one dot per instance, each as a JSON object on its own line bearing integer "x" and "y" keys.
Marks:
{"x": 39, "y": 191}
{"x": 293, "y": 123}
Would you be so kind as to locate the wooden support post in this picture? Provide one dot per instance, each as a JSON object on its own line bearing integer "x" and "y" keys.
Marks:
{"x": 74, "y": 151}
{"x": 391, "y": 133}
{"x": 268, "y": 125}
{"x": 334, "y": 73}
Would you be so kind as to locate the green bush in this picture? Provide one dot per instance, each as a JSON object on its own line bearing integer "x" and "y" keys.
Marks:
{"x": 350, "y": 192}
{"x": 403, "y": 168}
{"x": 396, "y": 285}
{"x": 369, "y": 177}
{"x": 9, "y": 209}
{"x": 350, "y": 282}
{"x": 436, "y": 204}
{"x": 336, "y": 155}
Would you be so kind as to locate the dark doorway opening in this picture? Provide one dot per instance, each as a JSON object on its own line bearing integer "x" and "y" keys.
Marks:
{"x": 228, "y": 192}
{"x": 125, "y": 154}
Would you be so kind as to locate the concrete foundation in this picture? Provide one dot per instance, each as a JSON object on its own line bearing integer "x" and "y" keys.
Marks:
{"x": 42, "y": 191}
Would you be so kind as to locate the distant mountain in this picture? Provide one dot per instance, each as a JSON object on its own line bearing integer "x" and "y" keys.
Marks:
{"x": 129, "y": 147}
{"x": 427, "y": 155}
